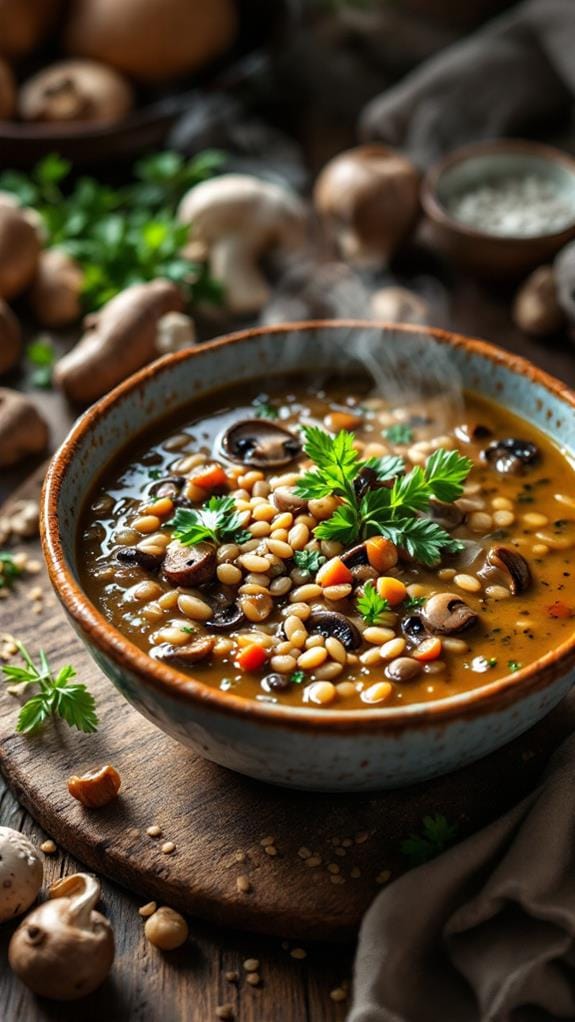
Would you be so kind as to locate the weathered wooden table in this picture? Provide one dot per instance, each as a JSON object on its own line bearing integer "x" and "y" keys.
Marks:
{"x": 189, "y": 984}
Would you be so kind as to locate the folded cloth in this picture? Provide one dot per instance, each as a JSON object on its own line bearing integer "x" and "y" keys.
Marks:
{"x": 515, "y": 74}
{"x": 485, "y": 932}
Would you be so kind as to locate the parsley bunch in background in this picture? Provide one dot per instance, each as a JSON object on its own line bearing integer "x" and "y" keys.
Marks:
{"x": 121, "y": 236}
{"x": 393, "y": 511}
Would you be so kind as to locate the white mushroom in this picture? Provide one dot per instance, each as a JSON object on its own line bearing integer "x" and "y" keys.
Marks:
{"x": 175, "y": 332}
{"x": 56, "y": 291}
{"x": 64, "y": 949}
{"x": 235, "y": 220}
{"x": 21, "y": 872}
{"x": 396, "y": 304}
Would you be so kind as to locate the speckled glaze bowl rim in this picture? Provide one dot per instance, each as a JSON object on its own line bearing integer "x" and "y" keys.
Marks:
{"x": 151, "y": 673}
{"x": 436, "y": 211}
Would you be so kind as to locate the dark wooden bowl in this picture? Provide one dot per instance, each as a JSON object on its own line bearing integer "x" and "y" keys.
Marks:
{"x": 490, "y": 255}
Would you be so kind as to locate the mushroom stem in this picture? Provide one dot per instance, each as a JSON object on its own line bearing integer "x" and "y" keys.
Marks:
{"x": 83, "y": 890}
{"x": 234, "y": 260}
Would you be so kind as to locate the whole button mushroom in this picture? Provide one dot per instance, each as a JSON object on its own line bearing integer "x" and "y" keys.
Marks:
{"x": 369, "y": 200}
{"x": 10, "y": 338}
{"x": 23, "y": 431}
{"x": 56, "y": 293}
{"x": 19, "y": 251}
{"x": 235, "y": 220}
{"x": 75, "y": 90}
{"x": 21, "y": 872}
{"x": 64, "y": 949}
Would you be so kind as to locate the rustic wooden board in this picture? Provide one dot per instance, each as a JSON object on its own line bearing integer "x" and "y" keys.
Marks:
{"x": 215, "y": 817}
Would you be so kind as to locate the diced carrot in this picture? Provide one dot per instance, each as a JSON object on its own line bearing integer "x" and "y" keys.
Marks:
{"x": 559, "y": 609}
{"x": 381, "y": 553}
{"x": 391, "y": 589}
{"x": 210, "y": 477}
{"x": 342, "y": 420}
{"x": 252, "y": 657}
{"x": 333, "y": 573}
{"x": 429, "y": 649}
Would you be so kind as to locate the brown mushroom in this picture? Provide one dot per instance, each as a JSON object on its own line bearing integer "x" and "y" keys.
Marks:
{"x": 64, "y": 949}
{"x": 19, "y": 251}
{"x": 332, "y": 623}
{"x": 55, "y": 295}
{"x": 23, "y": 431}
{"x": 286, "y": 498}
{"x": 512, "y": 565}
{"x": 369, "y": 200}
{"x": 225, "y": 618}
{"x": 133, "y": 556}
{"x": 536, "y": 308}
{"x": 23, "y": 24}
{"x": 189, "y": 565}
{"x": 75, "y": 90}
{"x": 511, "y": 455}
{"x": 151, "y": 40}
{"x": 260, "y": 443}
{"x": 7, "y": 91}
{"x": 448, "y": 516}
{"x": 119, "y": 339}
{"x": 447, "y": 614}
{"x": 10, "y": 338}
{"x": 186, "y": 655}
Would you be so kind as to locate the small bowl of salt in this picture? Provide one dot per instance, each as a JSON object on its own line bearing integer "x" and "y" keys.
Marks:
{"x": 501, "y": 208}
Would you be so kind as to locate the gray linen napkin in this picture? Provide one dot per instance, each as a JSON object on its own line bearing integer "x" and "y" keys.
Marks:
{"x": 485, "y": 932}
{"x": 514, "y": 75}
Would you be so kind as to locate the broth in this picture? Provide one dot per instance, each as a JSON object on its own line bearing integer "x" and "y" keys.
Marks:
{"x": 515, "y": 517}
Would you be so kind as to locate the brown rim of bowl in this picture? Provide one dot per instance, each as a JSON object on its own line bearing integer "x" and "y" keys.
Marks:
{"x": 436, "y": 211}
{"x": 533, "y": 678}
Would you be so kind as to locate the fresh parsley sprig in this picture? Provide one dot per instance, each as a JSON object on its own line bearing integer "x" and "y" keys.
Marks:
{"x": 309, "y": 561}
{"x": 9, "y": 570}
{"x": 391, "y": 511}
{"x": 371, "y": 605}
{"x": 217, "y": 521}
{"x": 436, "y": 835}
{"x": 59, "y": 695}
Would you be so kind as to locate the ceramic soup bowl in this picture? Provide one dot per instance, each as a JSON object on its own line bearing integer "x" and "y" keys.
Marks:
{"x": 326, "y": 750}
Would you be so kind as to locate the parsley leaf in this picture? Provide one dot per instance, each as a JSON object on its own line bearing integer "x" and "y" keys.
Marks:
{"x": 309, "y": 561}
{"x": 389, "y": 511}
{"x": 371, "y": 605}
{"x": 9, "y": 570}
{"x": 437, "y": 834}
{"x": 41, "y": 356}
{"x": 217, "y": 521}
{"x": 413, "y": 602}
{"x": 59, "y": 696}
{"x": 297, "y": 677}
{"x": 399, "y": 433}
{"x": 265, "y": 410}
{"x": 514, "y": 665}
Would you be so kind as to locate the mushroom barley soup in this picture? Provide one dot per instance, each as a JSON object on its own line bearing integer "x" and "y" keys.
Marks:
{"x": 323, "y": 548}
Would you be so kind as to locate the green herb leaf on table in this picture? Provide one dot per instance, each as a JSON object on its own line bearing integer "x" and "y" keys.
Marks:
{"x": 309, "y": 561}
{"x": 436, "y": 835}
{"x": 371, "y": 605}
{"x": 217, "y": 521}
{"x": 41, "y": 357}
{"x": 59, "y": 695}
{"x": 9, "y": 570}
{"x": 399, "y": 433}
{"x": 121, "y": 236}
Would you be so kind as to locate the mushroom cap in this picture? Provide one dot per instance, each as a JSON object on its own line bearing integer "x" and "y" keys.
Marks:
{"x": 23, "y": 431}
{"x": 21, "y": 873}
{"x": 56, "y": 958}
{"x": 233, "y": 203}
{"x": 536, "y": 308}
{"x": 512, "y": 566}
{"x": 399, "y": 305}
{"x": 10, "y": 338}
{"x": 75, "y": 90}
{"x": 19, "y": 250}
{"x": 332, "y": 623}
{"x": 7, "y": 91}
{"x": 260, "y": 443}
{"x": 56, "y": 289}
{"x": 369, "y": 196}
